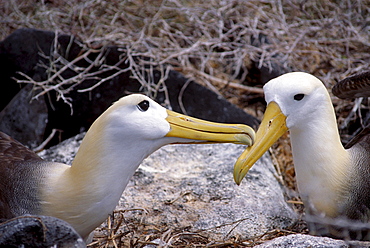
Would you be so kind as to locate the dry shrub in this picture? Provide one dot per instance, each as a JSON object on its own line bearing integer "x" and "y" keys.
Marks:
{"x": 214, "y": 42}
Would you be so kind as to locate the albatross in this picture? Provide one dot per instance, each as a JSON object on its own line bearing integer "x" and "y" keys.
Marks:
{"x": 332, "y": 181}
{"x": 85, "y": 193}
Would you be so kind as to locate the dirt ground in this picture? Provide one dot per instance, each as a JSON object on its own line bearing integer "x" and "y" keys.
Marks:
{"x": 220, "y": 44}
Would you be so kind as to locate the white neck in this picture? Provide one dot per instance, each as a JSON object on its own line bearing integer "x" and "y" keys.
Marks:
{"x": 320, "y": 160}
{"x": 88, "y": 191}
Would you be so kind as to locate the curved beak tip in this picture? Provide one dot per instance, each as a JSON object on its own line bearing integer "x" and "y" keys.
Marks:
{"x": 273, "y": 125}
{"x": 238, "y": 177}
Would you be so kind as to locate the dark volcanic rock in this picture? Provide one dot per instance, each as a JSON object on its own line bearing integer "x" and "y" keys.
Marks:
{"x": 39, "y": 231}
{"x": 26, "y": 50}
{"x": 25, "y": 119}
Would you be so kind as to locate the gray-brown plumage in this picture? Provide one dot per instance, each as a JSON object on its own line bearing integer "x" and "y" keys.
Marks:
{"x": 354, "y": 86}
{"x": 19, "y": 168}
{"x": 357, "y": 206}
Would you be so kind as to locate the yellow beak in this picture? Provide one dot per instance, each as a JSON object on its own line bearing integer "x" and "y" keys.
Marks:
{"x": 272, "y": 127}
{"x": 187, "y": 127}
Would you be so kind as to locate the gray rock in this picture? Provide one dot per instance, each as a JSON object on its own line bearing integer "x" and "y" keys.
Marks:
{"x": 304, "y": 241}
{"x": 190, "y": 187}
{"x": 39, "y": 231}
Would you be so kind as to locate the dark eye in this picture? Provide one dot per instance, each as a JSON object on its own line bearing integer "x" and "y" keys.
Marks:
{"x": 298, "y": 97}
{"x": 143, "y": 106}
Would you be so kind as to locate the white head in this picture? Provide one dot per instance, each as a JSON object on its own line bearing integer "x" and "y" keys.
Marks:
{"x": 300, "y": 97}
{"x": 299, "y": 102}
{"x": 137, "y": 117}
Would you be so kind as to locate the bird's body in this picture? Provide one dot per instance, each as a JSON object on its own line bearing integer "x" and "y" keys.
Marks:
{"x": 84, "y": 193}
{"x": 333, "y": 182}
